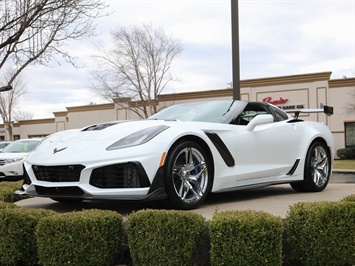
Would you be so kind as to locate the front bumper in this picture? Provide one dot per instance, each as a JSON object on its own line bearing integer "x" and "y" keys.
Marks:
{"x": 126, "y": 181}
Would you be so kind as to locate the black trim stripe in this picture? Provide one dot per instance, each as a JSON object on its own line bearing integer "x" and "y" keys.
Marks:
{"x": 222, "y": 148}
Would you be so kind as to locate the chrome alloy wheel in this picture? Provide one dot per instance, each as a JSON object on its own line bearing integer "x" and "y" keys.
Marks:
{"x": 319, "y": 166}
{"x": 190, "y": 175}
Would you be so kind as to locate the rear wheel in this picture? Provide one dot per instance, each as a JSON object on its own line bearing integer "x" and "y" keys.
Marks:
{"x": 317, "y": 169}
{"x": 188, "y": 175}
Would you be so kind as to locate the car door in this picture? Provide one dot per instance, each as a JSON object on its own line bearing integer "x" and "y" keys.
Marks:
{"x": 265, "y": 151}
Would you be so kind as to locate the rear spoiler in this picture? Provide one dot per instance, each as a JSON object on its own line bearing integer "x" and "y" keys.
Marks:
{"x": 328, "y": 110}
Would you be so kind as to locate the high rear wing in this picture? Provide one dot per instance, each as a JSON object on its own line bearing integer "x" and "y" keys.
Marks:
{"x": 328, "y": 110}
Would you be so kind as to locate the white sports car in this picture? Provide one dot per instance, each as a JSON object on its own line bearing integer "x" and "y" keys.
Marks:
{"x": 183, "y": 153}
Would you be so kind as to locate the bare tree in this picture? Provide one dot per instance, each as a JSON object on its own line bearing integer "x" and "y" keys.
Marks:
{"x": 9, "y": 100}
{"x": 35, "y": 31}
{"x": 19, "y": 115}
{"x": 137, "y": 68}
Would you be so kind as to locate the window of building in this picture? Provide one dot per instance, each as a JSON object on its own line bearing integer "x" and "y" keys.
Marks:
{"x": 16, "y": 137}
{"x": 349, "y": 135}
{"x": 36, "y": 136}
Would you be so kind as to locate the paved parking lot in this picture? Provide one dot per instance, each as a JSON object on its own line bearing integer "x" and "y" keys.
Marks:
{"x": 274, "y": 199}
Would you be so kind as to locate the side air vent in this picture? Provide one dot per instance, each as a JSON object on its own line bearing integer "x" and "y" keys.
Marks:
{"x": 294, "y": 167}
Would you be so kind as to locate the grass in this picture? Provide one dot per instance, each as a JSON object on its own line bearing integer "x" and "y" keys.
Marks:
{"x": 344, "y": 164}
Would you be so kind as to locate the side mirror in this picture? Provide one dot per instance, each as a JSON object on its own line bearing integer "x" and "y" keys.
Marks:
{"x": 259, "y": 120}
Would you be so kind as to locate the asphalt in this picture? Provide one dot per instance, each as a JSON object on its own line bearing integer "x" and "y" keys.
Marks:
{"x": 273, "y": 199}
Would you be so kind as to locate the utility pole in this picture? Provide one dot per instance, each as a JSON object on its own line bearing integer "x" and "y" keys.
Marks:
{"x": 235, "y": 50}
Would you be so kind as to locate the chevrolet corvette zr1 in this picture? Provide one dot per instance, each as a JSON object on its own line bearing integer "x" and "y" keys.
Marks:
{"x": 183, "y": 153}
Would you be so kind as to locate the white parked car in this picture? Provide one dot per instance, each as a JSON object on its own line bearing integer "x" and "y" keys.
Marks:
{"x": 183, "y": 153}
{"x": 13, "y": 156}
{"x": 3, "y": 144}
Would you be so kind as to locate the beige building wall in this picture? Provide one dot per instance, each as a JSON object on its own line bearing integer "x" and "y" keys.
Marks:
{"x": 287, "y": 92}
{"x": 341, "y": 95}
{"x": 33, "y": 128}
{"x": 81, "y": 116}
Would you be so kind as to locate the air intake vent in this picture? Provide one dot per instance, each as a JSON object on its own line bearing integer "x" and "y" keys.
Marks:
{"x": 128, "y": 175}
{"x": 63, "y": 173}
{"x": 100, "y": 126}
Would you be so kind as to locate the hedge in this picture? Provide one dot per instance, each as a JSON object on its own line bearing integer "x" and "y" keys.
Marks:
{"x": 246, "y": 238}
{"x": 89, "y": 237}
{"x": 17, "y": 235}
{"x": 164, "y": 237}
{"x": 7, "y": 205}
{"x": 322, "y": 233}
{"x": 317, "y": 233}
{"x": 346, "y": 153}
{"x": 7, "y": 190}
{"x": 349, "y": 198}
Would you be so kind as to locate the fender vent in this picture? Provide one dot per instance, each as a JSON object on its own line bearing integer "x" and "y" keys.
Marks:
{"x": 294, "y": 167}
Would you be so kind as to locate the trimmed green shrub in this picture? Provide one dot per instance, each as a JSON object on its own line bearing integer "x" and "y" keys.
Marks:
{"x": 17, "y": 235}
{"x": 322, "y": 233}
{"x": 164, "y": 237}
{"x": 7, "y": 190}
{"x": 7, "y": 205}
{"x": 349, "y": 198}
{"x": 346, "y": 153}
{"x": 89, "y": 237}
{"x": 246, "y": 238}
{"x": 6, "y": 194}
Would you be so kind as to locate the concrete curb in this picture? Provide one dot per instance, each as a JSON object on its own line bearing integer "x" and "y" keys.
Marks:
{"x": 344, "y": 171}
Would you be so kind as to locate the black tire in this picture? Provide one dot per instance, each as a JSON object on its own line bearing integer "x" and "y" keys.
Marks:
{"x": 188, "y": 175}
{"x": 317, "y": 169}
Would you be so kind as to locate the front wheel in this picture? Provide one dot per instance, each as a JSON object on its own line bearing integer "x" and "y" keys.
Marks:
{"x": 317, "y": 169}
{"x": 188, "y": 175}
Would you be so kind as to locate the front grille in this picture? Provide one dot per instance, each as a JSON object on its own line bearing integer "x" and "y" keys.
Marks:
{"x": 2, "y": 162}
{"x": 64, "y": 173}
{"x": 118, "y": 176}
{"x": 59, "y": 191}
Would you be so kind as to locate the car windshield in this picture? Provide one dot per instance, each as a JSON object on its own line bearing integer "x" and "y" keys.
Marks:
{"x": 209, "y": 111}
{"x": 21, "y": 146}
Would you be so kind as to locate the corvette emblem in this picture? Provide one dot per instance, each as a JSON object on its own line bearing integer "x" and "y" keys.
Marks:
{"x": 58, "y": 150}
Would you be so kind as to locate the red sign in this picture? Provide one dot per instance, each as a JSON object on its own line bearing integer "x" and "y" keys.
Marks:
{"x": 275, "y": 102}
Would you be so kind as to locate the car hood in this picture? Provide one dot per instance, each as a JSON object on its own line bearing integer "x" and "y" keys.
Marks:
{"x": 110, "y": 131}
{"x": 91, "y": 141}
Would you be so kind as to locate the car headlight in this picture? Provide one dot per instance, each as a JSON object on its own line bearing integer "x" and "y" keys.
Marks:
{"x": 137, "y": 138}
{"x": 13, "y": 160}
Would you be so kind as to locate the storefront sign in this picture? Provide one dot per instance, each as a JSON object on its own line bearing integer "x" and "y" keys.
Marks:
{"x": 280, "y": 103}
{"x": 275, "y": 102}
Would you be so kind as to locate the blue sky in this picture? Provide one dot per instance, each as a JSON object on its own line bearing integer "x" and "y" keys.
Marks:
{"x": 277, "y": 38}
